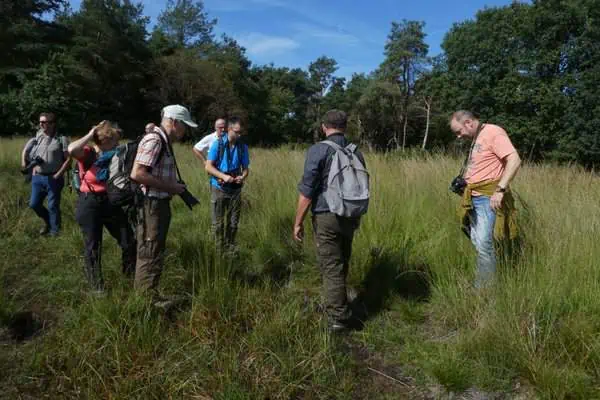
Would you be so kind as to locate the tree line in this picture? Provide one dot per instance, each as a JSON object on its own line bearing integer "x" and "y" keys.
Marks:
{"x": 531, "y": 67}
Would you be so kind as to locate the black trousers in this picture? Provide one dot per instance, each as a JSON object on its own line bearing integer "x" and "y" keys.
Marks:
{"x": 94, "y": 212}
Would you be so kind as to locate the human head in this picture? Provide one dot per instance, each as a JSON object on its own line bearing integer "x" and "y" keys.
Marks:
{"x": 464, "y": 124}
{"x": 220, "y": 126}
{"x": 234, "y": 128}
{"x": 47, "y": 123}
{"x": 107, "y": 135}
{"x": 334, "y": 121}
{"x": 175, "y": 118}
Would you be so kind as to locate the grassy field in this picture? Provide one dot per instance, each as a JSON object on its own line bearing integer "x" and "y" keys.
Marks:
{"x": 252, "y": 329}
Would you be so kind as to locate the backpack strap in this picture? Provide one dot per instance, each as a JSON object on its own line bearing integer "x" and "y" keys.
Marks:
{"x": 220, "y": 152}
{"x": 351, "y": 148}
{"x": 333, "y": 144}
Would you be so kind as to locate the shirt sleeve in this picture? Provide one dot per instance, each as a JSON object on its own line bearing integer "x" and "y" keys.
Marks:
{"x": 65, "y": 143}
{"x": 213, "y": 152}
{"x": 245, "y": 157}
{"x": 149, "y": 150}
{"x": 502, "y": 146}
{"x": 203, "y": 144}
{"x": 310, "y": 177}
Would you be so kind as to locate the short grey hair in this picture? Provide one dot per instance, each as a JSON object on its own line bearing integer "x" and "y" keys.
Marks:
{"x": 461, "y": 115}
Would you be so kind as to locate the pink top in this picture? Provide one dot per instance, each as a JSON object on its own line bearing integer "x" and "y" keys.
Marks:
{"x": 491, "y": 147}
{"x": 89, "y": 184}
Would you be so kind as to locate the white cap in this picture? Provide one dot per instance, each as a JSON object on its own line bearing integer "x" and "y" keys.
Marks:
{"x": 179, "y": 113}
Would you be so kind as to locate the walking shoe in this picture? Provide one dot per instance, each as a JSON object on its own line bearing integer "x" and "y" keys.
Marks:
{"x": 337, "y": 327}
{"x": 166, "y": 303}
{"x": 44, "y": 230}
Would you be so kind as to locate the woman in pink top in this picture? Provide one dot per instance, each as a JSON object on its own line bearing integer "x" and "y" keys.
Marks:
{"x": 94, "y": 211}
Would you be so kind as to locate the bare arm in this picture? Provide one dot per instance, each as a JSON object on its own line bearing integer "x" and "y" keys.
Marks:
{"x": 512, "y": 165}
{"x": 76, "y": 148}
{"x": 65, "y": 166}
{"x": 301, "y": 211}
{"x": 140, "y": 174}
{"x": 199, "y": 155}
{"x": 211, "y": 169}
{"x": 24, "y": 157}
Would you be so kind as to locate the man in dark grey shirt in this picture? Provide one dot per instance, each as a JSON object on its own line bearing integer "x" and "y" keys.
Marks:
{"x": 47, "y": 179}
{"x": 333, "y": 233}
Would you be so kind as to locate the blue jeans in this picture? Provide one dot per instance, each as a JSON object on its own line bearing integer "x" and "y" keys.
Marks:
{"x": 483, "y": 219}
{"x": 42, "y": 186}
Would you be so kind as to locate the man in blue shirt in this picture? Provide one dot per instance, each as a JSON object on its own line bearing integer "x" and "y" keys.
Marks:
{"x": 228, "y": 162}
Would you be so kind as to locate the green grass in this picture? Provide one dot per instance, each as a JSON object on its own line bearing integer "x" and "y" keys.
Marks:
{"x": 252, "y": 330}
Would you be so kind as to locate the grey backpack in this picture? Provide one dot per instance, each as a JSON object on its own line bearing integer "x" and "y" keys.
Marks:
{"x": 347, "y": 192}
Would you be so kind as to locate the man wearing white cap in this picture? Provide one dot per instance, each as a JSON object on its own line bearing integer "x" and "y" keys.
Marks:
{"x": 155, "y": 170}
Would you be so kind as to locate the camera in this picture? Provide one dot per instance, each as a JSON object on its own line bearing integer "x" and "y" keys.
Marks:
{"x": 32, "y": 164}
{"x": 188, "y": 199}
{"x": 233, "y": 185}
{"x": 458, "y": 185}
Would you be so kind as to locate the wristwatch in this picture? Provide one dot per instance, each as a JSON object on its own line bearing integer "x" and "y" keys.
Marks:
{"x": 500, "y": 189}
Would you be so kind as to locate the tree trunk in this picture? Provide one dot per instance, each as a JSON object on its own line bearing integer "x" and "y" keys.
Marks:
{"x": 428, "y": 111}
{"x": 404, "y": 133}
{"x": 318, "y": 127}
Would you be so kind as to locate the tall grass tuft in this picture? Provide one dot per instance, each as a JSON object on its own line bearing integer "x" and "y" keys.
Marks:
{"x": 252, "y": 328}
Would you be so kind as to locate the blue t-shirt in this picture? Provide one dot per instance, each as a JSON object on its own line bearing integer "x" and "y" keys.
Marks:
{"x": 231, "y": 160}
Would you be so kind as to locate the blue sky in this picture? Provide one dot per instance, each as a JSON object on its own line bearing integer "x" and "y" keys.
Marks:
{"x": 293, "y": 33}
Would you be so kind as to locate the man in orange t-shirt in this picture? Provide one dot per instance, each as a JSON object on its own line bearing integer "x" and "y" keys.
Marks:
{"x": 493, "y": 158}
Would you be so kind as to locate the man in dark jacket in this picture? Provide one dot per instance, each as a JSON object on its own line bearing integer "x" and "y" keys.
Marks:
{"x": 333, "y": 233}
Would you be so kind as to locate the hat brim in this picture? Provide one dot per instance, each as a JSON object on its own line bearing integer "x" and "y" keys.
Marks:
{"x": 190, "y": 124}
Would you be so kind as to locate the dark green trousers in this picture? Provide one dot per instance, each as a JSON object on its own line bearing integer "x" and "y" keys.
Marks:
{"x": 333, "y": 237}
{"x": 226, "y": 209}
{"x": 154, "y": 218}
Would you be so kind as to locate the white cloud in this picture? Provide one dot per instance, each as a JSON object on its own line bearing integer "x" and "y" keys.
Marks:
{"x": 258, "y": 44}
{"x": 335, "y": 36}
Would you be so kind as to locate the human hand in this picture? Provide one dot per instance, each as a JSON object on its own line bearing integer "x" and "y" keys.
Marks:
{"x": 239, "y": 179}
{"x": 298, "y": 233}
{"x": 177, "y": 188}
{"x": 149, "y": 127}
{"x": 496, "y": 201}
{"x": 228, "y": 179}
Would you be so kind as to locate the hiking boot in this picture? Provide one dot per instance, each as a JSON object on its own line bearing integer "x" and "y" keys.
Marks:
{"x": 338, "y": 328}
{"x": 44, "y": 230}
{"x": 166, "y": 303}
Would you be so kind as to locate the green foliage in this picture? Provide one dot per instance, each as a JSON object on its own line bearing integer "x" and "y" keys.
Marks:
{"x": 530, "y": 67}
{"x": 185, "y": 23}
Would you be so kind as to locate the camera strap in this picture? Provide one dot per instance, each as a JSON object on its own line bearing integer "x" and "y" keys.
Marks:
{"x": 179, "y": 178}
{"x": 466, "y": 162}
